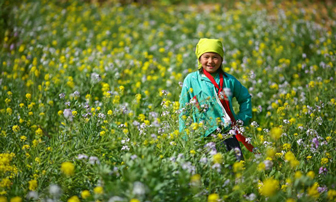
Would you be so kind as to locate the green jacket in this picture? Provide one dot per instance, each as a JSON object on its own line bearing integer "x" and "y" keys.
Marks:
{"x": 206, "y": 108}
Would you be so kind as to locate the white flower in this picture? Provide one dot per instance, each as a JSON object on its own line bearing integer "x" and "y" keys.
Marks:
{"x": 139, "y": 188}
{"x": 216, "y": 166}
{"x": 62, "y": 95}
{"x": 116, "y": 199}
{"x": 268, "y": 164}
{"x": 251, "y": 197}
{"x": 95, "y": 78}
{"x": 68, "y": 114}
{"x": 94, "y": 160}
{"x": 203, "y": 160}
{"x": 300, "y": 142}
{"x": 55, "y": 190}
{"x": 32, "y": 195}
{"x": 82, "y": 156}
{"x": 125, "y": 148}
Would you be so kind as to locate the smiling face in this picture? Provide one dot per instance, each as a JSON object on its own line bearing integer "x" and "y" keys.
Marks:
{"x": 211, "y": 62}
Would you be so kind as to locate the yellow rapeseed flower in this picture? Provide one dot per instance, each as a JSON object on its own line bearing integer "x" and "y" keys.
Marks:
{"x": 311, "y": 174}
{"x": 238, "y": 166}
{"x": 16, "y": 199}
{"x": 3, "y": 199}
{"x": 313, "y": 192}
{"x": 269, "y": 187}
{"x": 298, "y": 174}
{"x": 74, "y": 199}
{"x": 195, "y": 178}
{"x": 39, "y": 132}
{"x": 276, "y": 133}
{"x": 270, "y": 152}
{"x": 332, "y": 194}
{"x": 85, "y": 194}
{"x": 213, "y": 198}
{"x": 28, "y": 96}
{"x": 324, "y": 161}
{"x": 290, "y": 200}
{"x": 32, "y": 185}
{"x": 217, "y": 158}
{"x": 98, "y": 190}
{"x": 68, "y": 168}
{"x": 16, "y": 128}
{"x": 286, "y": 146}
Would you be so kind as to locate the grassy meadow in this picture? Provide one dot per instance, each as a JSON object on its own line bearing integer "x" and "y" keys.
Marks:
{"x": 89, "y": 102}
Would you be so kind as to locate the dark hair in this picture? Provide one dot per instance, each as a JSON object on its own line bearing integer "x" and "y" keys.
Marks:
{"x": 219, "y": 70}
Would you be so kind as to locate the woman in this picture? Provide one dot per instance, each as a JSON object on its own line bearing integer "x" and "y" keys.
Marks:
{"x": 207, "y": 94}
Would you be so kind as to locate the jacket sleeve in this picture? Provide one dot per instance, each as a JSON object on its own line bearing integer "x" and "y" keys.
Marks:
{"x": 244, "y": 99}
{"x": 184, "y": 100}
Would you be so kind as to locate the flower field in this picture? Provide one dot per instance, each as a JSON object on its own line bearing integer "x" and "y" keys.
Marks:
{"x": 89, "y": 102}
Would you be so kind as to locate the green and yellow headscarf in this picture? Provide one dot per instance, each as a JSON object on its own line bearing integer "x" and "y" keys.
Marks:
{"x": 208, "y": 45}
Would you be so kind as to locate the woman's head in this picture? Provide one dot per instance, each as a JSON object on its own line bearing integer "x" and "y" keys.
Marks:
{"x": 209, "y": 53}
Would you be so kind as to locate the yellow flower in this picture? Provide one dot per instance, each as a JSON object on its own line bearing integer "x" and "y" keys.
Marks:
{"x": 74, "y": 199}
{"x": 16, "y": 128}
{"x": 289, "y": 156}
{"x": 213, "y": 198}
{"x": 217, "y": 158}
{"x": 68, "y": 168}
{"x": 5, "y": 182}
{"x": 25, "y": 147}
{"x": 286, "y": 146}
{"x": 192, "y": 152}
{"x": 332, "y": 194}
{"x": 195, "y": 178}
{"x": 9, "y": 111}
{"x": 16, "y": 199}
{"x": 276, "y": 133}
{"x": 98, "y": 190}
{"x": 284, "y": 187}
{"x": 32, "y": 185}
{"x": 298, "y": 174}
{"x": 85, "y": 194}
{"x": 261, "y": 166}
{"x": 194, "y": 126}
{"x": 313, "y": 192}
{"x": 39, "y": 132}
{"x": 3, "y": 199}
{"x": 269, "y": 187}
{"x": 238, "y": 166}
{"x": 290, "y": 200}
{"x": 270, "y": 152}
{"x": 311, "y": 174}
{"x": 328, "y": 138}
{"x": 324, "y": 161}
{"x": 28, "y": 96}
{"x": 309, "y": 157}
{"x": 134, "y": 200}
